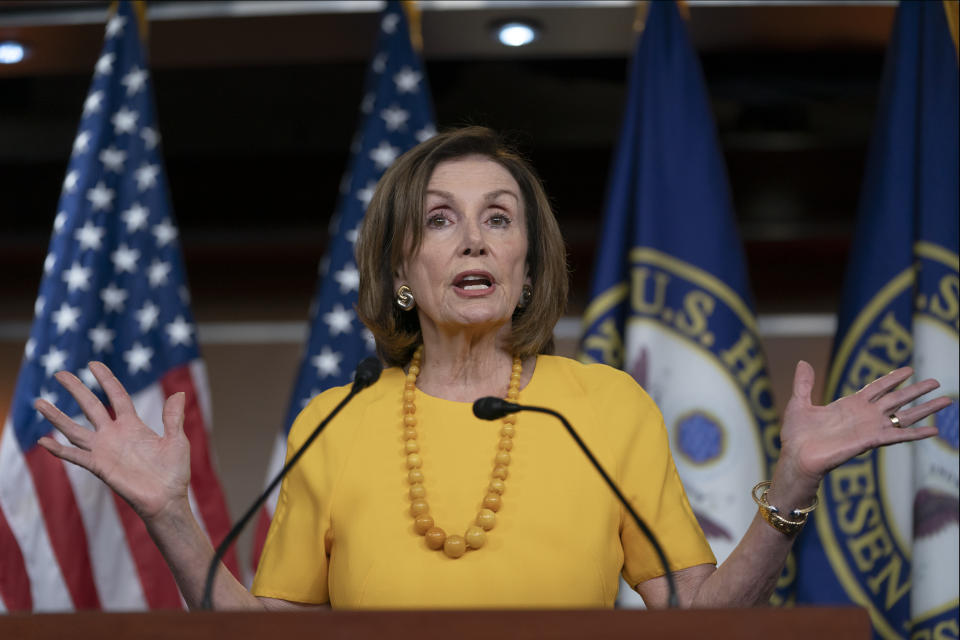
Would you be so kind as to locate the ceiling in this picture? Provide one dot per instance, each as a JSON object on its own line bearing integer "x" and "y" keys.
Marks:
{"x": 253, "y": 98}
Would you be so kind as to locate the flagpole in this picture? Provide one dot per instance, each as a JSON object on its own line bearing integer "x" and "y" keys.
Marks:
{"x": 414, "y": 19}
{"x": 952, "y": 9}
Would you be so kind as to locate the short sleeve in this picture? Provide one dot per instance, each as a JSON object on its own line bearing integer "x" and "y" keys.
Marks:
{"x": 649, "y": 478}
{"x": 295, "y": 558}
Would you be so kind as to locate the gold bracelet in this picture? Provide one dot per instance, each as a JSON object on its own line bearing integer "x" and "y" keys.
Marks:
{"x": 772, "y": 515}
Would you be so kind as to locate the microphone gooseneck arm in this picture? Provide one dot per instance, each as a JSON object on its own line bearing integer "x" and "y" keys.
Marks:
{"x": 492, "y": 408}
{"x": 367, "y": 373}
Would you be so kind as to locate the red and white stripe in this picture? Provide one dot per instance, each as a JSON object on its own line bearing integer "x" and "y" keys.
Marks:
{"x": 67, "y": 542}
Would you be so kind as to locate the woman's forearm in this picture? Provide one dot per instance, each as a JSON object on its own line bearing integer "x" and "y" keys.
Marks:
{"x": 749, "y": 574}
{"x": 188, "y": 553}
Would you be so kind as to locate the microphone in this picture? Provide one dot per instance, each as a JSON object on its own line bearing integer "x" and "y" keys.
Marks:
{"x": 367, "y": 372}
{"x": 492, "y": 408}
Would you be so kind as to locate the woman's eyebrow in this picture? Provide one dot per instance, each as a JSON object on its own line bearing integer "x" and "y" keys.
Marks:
{"x": 493, "y": 195}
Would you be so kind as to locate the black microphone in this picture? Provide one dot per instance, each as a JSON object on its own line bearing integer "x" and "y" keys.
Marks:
{"x": 491, "y": 408}
{"x": 367, "y": 372}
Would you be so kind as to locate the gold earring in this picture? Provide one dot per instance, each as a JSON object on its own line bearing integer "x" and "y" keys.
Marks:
{"x": 526, "y": 296}
{"x": 404, "y": 298}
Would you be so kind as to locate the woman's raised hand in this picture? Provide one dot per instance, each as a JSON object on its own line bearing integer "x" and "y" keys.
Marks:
{"x": 149, "y": 471}
{"x": 817, "y": 439}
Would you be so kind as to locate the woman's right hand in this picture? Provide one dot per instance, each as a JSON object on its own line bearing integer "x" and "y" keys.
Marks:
{"x": 152, "y": 473}
{"x": 149, "y": 471}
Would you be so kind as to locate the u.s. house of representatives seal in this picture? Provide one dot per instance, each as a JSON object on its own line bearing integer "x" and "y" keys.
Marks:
{"x": 889, "y": 525}
{"x": 691, "y": 342}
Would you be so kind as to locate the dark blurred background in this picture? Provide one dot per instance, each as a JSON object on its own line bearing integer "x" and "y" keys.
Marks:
{"x": 258, "y": 101}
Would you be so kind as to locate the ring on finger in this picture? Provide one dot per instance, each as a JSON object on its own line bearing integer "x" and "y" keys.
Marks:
{"x": 895, "y": 421}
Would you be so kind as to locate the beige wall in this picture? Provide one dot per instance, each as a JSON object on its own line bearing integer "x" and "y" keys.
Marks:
{"x": 250, "y": 386}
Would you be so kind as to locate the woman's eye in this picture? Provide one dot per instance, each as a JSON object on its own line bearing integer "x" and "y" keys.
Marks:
{"x": 499, "y": 220}
{"x": 436, "y": 220}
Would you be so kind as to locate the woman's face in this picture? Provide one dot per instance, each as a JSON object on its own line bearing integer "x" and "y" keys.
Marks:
{"x": 472, "y": 264}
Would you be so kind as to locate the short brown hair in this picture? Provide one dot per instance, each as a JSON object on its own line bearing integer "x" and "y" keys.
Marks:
{"x": 393, "y": 225}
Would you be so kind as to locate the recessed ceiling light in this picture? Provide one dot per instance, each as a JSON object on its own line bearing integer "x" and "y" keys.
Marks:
{"x": 12, "y": 52}
{"x": 516, "y": 33}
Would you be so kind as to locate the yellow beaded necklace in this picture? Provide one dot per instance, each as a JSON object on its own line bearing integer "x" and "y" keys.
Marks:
{"x": 436, "y": 538}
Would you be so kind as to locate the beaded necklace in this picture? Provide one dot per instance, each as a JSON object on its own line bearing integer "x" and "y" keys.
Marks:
{"x": 475, "y": 536}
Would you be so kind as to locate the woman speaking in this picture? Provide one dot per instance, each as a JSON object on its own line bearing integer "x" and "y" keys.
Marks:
{"x": 408, "y": 500}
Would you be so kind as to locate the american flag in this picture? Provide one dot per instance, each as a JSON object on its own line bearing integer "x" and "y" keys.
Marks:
{"x": 395, "y": 115}
{"x": 114, "y": 290}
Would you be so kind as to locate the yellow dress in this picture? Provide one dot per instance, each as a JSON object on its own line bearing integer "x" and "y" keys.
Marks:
{"x": 342, "y": 532}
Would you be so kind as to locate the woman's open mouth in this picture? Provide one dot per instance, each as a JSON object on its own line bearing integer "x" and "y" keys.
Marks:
{"x": 474, "y": 282}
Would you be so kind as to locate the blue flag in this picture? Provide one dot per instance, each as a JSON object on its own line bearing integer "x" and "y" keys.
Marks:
{"x": 670, "y": 299}
{"x": 396, "y": 115}
{"x": 886, "y": 534}
{"x": 113, "y": 289}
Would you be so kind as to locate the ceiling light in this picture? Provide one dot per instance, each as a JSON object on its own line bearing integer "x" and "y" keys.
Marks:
{"x": 12, "y": 52}
{"x": 516, "y": 33}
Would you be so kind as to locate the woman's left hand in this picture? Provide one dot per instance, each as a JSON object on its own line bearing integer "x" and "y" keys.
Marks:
{"x": 816, "y": 439}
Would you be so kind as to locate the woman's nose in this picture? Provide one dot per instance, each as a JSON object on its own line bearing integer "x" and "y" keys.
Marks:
{"x": 473, "y": 242}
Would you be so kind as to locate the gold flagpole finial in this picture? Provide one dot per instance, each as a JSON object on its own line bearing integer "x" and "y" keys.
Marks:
{"x": 952, "y": 9}
{"x": 643, "y": 6}
{"x": 139, "y": 8}
{"x": 640, "y": 16}
{"x": 412, "y": 9}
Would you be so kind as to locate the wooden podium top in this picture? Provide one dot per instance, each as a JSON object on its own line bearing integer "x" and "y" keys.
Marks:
{"x": 717, "y": 624}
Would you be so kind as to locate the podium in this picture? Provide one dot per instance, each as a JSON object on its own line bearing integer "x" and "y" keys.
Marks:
{"x": 716, "y": 624}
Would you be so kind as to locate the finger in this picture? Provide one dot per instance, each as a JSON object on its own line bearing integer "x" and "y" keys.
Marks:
{"x": 173, "y": 413}
{"x": 893, "y": 436}
{"x": 885, "y": 383}
{"x": 803, "y": 378}
{"x": 78, "y": 457}
{"x": 896, "y": 399}
{"x": 91, "y": 406}
{"x": 915, "y": 414}
{"x": 76, "y": 434}
{"x": 119, "y": 398}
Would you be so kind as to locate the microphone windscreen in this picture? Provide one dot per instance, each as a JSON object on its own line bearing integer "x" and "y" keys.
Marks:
{"x": 368, "y": 372}
{"x": 491, "y": 408}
